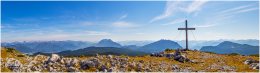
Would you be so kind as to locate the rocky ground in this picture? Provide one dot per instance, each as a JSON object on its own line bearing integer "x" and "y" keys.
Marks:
{"x": 168, "y": 61}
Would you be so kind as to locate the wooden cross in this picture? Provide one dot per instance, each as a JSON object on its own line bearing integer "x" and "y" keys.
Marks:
{"x": 186, "y": 30}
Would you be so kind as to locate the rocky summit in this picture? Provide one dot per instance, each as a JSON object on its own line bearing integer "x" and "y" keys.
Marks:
{"x": 166, "y": 61}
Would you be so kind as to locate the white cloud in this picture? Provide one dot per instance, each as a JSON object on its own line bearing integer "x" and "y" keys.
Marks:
{"x": 179, "y": 6}
{"x": 195, "y": 6}
{"x": 213, "y": 21}
{"x": 96, "y": 33}
{"x": 180, "y": 20}
{"x": 123, "y": 24}
{"x": 240, "y": 9}
{"x": 224, "y": 15}
{"x": 170, "y": 8}
{"x": 123, "y": 16}
{"x": 205, "y": 25}
{"x": 247, "y": 10}
{"x": 235, "y": 9}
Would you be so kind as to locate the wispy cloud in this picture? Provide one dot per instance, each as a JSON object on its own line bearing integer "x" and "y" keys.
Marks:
{"x": 123, "y": 24}
{"x": 235, "y": 9}
{"x": 225, "y": 15}
{"x": 195, "y": 6}
{"x": 213, "y": 21}
{"x": 96, "y": 33}
{"x": 240, "y": 9}
{"x": 247, "y": 10}
{"x": 173, "y": 7}
{"x": 204, "y": 25}
{"x": 123, "y": 16}
{"x": 170, "y": 8}
{"x": 180, "y": 20}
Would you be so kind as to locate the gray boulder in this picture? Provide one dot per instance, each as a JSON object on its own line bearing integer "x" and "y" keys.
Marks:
{"x": 103, "y": 68}
{"x": 72, "y": 69}
{"x": 54, "y": 58}
{"x": 87, "y": 64}
{"x": 181, "y": 58}
{"x": 13, "y": 64}
{"x": 254, "y": 64}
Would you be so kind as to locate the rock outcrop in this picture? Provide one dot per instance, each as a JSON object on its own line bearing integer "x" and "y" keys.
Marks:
{"x": 252, "y": 63}
{"x": 176, "y": 56}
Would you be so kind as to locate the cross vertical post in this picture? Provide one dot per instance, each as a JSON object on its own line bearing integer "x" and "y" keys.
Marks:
{"x": 186, "y": 26}
{"x": 186, "y": 30}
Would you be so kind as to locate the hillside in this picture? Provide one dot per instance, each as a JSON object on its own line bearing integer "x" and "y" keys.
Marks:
{"x": 91, "y": 51}
{"x": 228, "y": 47}
{"x": 165, "y": 61}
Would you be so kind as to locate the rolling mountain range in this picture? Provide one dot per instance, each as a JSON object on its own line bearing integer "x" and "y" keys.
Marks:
{"x": 228, "y": 47}
{"x": 47, "y": 46}
{"x": 157, "y": 46}
{"x": 199, "y": 44}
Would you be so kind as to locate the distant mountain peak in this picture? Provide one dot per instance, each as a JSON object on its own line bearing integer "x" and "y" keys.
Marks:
{"x": 228, "y": 43}
{"x": 106, "y": 40}
{"x": 165, "y": 40}
{"x": 107, "y": 43}
{"x": 159, "y": 46}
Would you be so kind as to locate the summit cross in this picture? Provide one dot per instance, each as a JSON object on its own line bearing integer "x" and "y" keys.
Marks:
{"x": 186, "y": 30}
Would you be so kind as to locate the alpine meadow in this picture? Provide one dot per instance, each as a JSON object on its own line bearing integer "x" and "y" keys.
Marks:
{"x": 130, "y": 36}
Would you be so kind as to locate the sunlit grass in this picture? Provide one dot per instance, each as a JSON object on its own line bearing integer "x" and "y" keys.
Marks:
{"x": 202, "y": 61}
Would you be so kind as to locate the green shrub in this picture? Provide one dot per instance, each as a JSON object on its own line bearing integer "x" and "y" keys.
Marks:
{"x": 168, "y": 49}
{"x": 233, "y": 54}
{"x": 256, "y": 55}
{"x": 10, "y": 50}
{"x": 20, "y": 55}
{"x": 210, "y": 52}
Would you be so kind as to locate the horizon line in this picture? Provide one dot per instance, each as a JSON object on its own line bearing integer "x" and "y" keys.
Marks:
{"x": 122, "y": 40}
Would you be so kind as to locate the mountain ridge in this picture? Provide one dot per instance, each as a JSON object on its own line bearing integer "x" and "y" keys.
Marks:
{"x": 159, "y": 46}
{"x": 228, "y": 47}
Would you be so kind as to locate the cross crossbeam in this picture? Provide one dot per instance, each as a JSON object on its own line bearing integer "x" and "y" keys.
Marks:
{"x": 186, "y": 28}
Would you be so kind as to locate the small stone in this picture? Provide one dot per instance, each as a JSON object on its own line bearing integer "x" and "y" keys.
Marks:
{"x": 72, "y": 69}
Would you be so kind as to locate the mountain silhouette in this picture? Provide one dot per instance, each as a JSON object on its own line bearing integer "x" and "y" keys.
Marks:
{"x": 159, "y": 46}
{"x": 228, "y": 47}
{"x": 107, "y": 43}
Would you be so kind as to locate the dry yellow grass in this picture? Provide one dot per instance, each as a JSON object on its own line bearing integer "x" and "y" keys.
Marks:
{"x": 203, "y": 61}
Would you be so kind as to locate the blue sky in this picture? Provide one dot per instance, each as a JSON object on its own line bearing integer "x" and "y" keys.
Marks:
{"x": 120, "y": 21}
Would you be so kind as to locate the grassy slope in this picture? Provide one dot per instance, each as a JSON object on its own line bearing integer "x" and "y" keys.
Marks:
{"x": 208, "y": 59}
{"x": 203, "y": 61}
{"x": 11, "y": 53}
